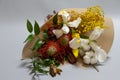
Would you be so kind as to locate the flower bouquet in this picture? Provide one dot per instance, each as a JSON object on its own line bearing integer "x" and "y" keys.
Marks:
{"x": 76, "y": 36}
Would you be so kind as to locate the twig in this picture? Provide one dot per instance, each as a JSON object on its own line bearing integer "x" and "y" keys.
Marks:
{"x": 95, "y": 68}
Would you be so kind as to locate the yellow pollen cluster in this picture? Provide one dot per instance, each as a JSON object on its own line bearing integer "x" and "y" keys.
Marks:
{"x": 91, "y": 18}
{"x": 76, "y": 35}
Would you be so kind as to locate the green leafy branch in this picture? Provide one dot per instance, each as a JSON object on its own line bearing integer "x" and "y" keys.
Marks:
{"x": 30, "y": 30}
{"x": 34, "y": 31}
{"x": 43, "y": 66}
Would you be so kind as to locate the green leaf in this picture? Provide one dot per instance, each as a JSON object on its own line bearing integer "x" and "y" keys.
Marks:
{"x": 34, "y": 64}
{"x": 29, "y": 26}
{"x": 45, "y": 35}
{"x": 29, "y": 38}
{"x": 46, "y": 62}
{"x": 57, "y": 63}
{"x": 55, "y": 19}
{"x": 84, "y": 36}
{"x": 73, "y": 30}
{"x": 94, "y": 41}
{"x": 36, "y": 28}
{"x": 37, "y": 67}
{"x": 38, "y": 44}
{"x": 40, "y": 70}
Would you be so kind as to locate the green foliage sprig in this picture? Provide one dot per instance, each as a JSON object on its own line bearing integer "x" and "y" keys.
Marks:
{"x": 30, "y": 30}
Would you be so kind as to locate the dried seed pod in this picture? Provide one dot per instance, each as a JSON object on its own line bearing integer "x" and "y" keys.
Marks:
{"x": 71, "y": 58}
{"x": 52, "y": 70}
{"x": 58, "y": 71}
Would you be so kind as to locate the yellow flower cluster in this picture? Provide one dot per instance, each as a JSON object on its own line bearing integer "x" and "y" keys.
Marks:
{"x": 93, "y": 17}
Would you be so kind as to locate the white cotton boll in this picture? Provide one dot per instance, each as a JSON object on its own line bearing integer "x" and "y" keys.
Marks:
{"x": 65, "y": 15}
{"x": 58, "y": 33}
{"x": 65, "y": 29}
{"x": 89, "y": 53}
{"x": 90, "y": 57}
{"x": 93, "y": 60}
{"x": 81, "y": 52}
{"x": 74, "y": 43}
{"x": 75, "y": 23}
{"x": 96, "y": 33}
{"x": 86, "y": 47}
{"x": 101, "y": 55}
{"x": 86, "y": 59}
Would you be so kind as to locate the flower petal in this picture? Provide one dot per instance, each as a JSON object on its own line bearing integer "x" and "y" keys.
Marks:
{"x": 65, "y": 29}
{"x": 75, "y": 52}
{"x": 94, "y": 46}
{"x": 74, "y": 43}
{"x": 84, "y": 41}
{"x": 65, "y": 15}
{"x": 84, "y": 44}
{"x": 58, "y": 33}
{"x": 75, "y": 23}
{"x": 102, "y": 56}
{"x": 96, "y": 33}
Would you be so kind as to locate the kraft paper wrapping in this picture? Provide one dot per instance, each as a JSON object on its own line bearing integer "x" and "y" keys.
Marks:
{"x": 105, "y": 40}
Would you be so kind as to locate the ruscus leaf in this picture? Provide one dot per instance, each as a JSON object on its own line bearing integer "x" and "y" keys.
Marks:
{"x": 36, "y": 28}
{"x": 38, "y": 44}
{"x": 29, "y": 26}
{"x": 29, "y": 38}
{"x": 45, "y": 35}
{"x": 55, "y": 19}
{"x": 84, "y": 36}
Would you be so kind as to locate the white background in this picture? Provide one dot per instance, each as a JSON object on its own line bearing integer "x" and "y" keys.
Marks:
{"x": 13, "y": 16}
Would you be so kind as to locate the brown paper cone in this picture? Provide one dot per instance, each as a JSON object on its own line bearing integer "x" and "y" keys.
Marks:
{"x": 105, "y": 40}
